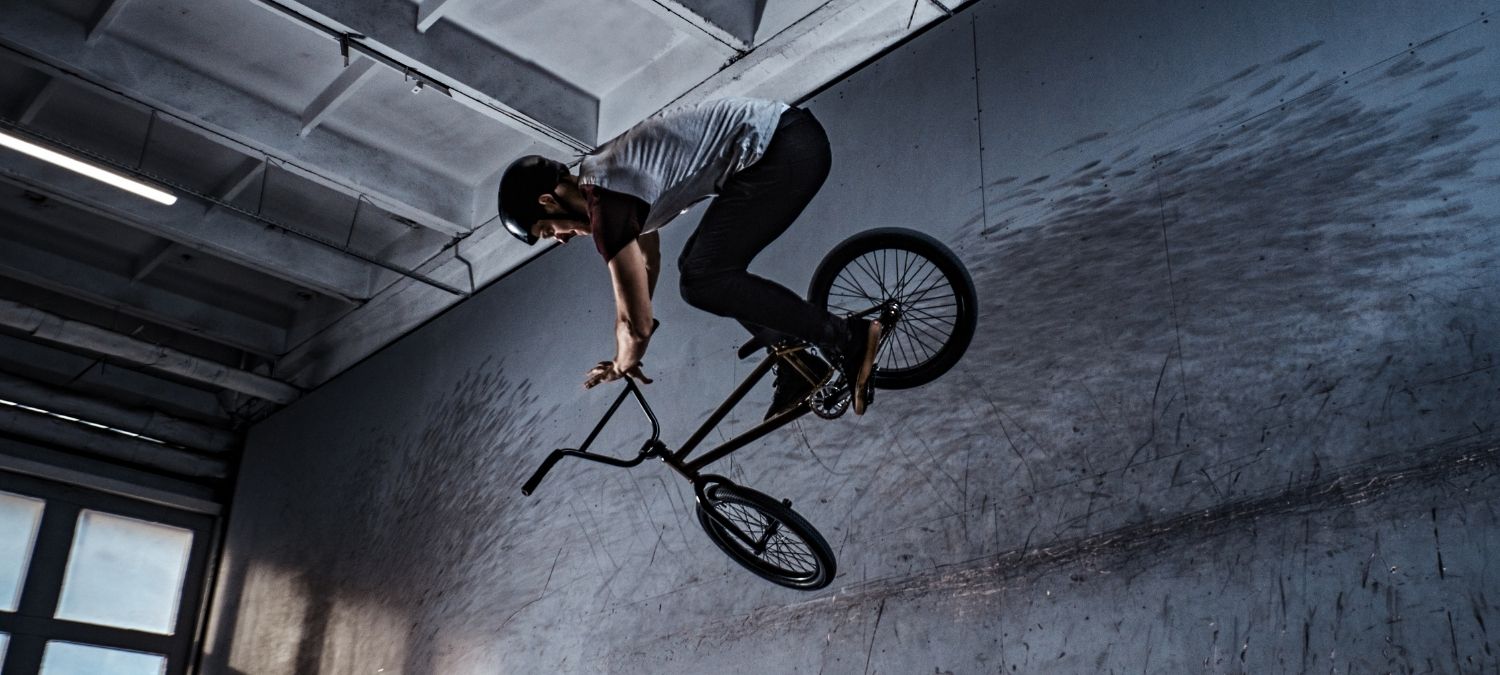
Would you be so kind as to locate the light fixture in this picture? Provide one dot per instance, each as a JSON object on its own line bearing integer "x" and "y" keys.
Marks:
{"x": 103, "y": 175}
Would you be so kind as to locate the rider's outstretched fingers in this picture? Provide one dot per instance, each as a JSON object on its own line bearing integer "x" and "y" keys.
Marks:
{"x": 597, "y": 375}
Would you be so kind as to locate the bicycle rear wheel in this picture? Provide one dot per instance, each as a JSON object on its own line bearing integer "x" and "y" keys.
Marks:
{"x": 919, "y": 276}
{"x": 765, "y": 536}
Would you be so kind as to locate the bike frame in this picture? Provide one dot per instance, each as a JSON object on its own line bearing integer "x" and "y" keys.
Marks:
{"x": 678, "y": 460}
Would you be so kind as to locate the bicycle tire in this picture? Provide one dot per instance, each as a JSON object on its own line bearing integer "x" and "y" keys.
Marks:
{"x": 802, "y": 561}
{"x": 910, "y": 357}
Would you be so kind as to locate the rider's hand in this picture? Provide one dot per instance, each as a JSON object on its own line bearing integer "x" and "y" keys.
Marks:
{"x": 606, "y": 371}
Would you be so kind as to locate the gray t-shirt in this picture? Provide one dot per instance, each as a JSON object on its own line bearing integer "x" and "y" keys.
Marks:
{"x": 683, "y": 155}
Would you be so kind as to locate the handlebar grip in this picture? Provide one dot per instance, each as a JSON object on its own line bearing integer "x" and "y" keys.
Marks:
{"x": 541, "y": 472}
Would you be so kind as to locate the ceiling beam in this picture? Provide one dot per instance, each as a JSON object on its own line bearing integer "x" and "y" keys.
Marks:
{"x": 54, "y": 329}
{"x": 49, "y": 42}
{"x": 336, "y": 92}
{"x": 243, "y": 176}
{"x": 150, "y": 423}
{"x": 80, "y": 438}
{"x": 105, "y": 15}
{"x": 38, "y": 101}
{"x": 689, "y": 21}
{"x": 153, "y": 260}
{"x": 32, "y": 459}
{"x": 402, "y": 306}
{"x": 224, "y": 233}
{"x": 100, "y": 378}
{"x": 118, "y": 292}
{"x": 430, "y": 11}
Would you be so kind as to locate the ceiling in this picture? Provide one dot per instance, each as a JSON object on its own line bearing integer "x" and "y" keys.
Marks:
{"x": 334, "y": 163}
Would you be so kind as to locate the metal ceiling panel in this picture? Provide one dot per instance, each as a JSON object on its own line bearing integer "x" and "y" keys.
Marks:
{"x": 594, "y": 44}
{"x": 254, "y": 50}
{"x": 222, "y": 106}
{"x": 425, "y": 128}
{"x": 778, "y": 15}
{"x": 451, "y": 52}
{"x": 739, "y": 17}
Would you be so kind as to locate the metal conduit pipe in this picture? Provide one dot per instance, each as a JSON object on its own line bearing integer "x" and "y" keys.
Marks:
{"x": 55, "y": 329}
{"x": 152, "y": 423}
{"x": 108, "y": 445}
{"x": 352, "y": 42}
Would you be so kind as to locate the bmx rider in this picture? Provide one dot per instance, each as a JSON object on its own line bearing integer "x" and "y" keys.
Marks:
{"x": 761, "y": 162}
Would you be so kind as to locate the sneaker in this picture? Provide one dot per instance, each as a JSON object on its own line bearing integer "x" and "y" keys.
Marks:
{"x": 792, "y": 387}
{"x": 857, "y": 360}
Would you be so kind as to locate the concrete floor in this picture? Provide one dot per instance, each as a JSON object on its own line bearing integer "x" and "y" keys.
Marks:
{"x": 1231, "y": 408}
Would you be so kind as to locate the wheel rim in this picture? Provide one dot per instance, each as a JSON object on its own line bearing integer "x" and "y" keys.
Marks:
{"x": 780, "y": 550}
{"x": 930, "y": 306}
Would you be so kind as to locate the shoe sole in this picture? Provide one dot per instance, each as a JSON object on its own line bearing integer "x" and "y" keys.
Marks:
{"x": 872, "y": 342}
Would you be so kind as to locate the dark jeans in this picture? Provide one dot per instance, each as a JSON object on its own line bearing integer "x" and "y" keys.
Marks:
{"x": 754, "y": 207}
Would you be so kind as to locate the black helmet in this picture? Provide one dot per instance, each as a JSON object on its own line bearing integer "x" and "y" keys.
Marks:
{"x": 524, "y": 180}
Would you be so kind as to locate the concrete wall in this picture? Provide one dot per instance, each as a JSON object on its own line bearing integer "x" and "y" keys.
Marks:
{"x": 1231, "y": 407}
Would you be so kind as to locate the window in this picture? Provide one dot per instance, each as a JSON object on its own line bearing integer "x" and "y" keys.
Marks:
{"x": 66, "y": 658}
{"x": 93, "y": 583}
{"x": 125, "y": 573}
{"x": 19, "y": 518}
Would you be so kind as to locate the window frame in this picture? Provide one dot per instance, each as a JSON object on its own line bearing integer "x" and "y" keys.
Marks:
{"x": 34, "y": 624}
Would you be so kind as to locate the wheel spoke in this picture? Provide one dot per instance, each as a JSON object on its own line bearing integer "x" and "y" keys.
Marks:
{"x": 782, "y": 549}
{"x": 869, "y": 269}
{"x": 935, "y": 305}
{"x": 852, "y": 283}
{"x": 918, "y": 331}
{"x": 926, "y": 317}
{"x": 916, "y": 336}
{"x": 923, "y": 280}
{"x": 922, "y": 295}
{"x": 900, "y": 348}
{"x": 850, "y": 292}
{"x": 906, "y": 281}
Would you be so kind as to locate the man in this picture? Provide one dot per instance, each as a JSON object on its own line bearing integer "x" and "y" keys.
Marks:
{"x": 762, "y": 162}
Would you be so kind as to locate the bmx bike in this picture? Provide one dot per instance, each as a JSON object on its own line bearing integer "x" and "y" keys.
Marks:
{"x": 925, "y": 299}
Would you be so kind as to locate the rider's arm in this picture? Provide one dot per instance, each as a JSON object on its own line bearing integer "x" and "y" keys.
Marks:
{"x": 632, "y": 280}
{"x": 651, "y": 246}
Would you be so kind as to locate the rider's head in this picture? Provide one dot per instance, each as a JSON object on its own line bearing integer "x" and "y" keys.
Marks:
{"x": 539, "y": 198}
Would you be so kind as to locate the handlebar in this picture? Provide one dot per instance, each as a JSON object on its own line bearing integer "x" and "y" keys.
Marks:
{"x": 650, "y": 448}
{"x": 560, "y": 453}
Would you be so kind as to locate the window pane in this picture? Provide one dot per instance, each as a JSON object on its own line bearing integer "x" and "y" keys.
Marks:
{"x": 19, "y": 518}
{"x": 4, "y": 642}
{"x": 125, "y": 573}
{"x": 66, "y": 658}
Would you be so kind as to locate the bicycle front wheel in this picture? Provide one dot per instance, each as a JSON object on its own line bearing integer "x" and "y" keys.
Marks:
{"x": 923, "y": 280}
{"x": 765, "y": 536}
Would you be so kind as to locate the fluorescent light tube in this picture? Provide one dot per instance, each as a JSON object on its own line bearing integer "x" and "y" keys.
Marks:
{"x": 103, "y": 175}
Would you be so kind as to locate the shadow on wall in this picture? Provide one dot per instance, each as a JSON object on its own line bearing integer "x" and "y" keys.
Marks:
{"x": 1303, "y": 286}
{"x": 1297, "y": 209}
{"x": 412, "y": 543}
{"x": 1281, "y": 237}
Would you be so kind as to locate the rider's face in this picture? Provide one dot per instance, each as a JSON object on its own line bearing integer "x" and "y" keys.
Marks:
{"x": 561, "y": 202}
{"x": 560, "y": 229}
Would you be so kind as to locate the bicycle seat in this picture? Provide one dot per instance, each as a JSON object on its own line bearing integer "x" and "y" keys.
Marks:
{"x": 751, "y": 346}
{"x": 761, "y": 340}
